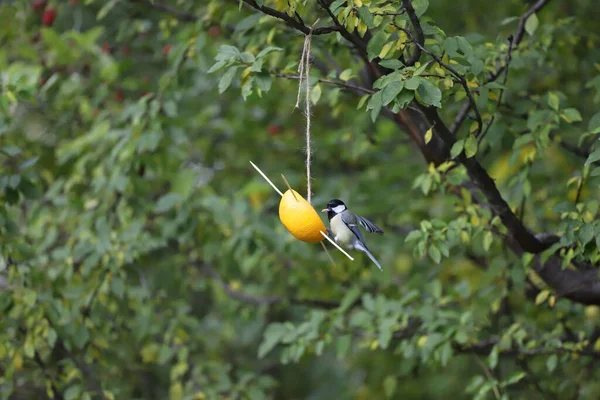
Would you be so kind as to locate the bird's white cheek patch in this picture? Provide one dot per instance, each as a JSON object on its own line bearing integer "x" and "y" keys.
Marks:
{"x": 338, "y": 209}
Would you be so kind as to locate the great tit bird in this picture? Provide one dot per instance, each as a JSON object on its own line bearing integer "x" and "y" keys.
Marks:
{"x": 344, "y": 227}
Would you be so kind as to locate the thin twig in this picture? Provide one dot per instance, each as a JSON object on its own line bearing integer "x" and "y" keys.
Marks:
{"x": 328, "y": 81}
{"x": 489, "y": 375}
{"x": 291, "y": 21}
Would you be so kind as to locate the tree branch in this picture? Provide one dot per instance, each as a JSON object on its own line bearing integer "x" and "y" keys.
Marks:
{"x": 526, "y": 240}
{"x": 420, "y": 38}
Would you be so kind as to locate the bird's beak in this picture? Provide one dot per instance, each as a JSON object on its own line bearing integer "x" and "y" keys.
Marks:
{"x": 325, "y": 210}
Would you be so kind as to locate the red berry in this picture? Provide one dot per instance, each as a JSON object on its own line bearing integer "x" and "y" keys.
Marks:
{"x": 48, "y": 16}
{"x": 119, "y": 96}
{"x": 167, "y": 49}
{"x": 273, "y": 129}
{"x": 73, "y": 2}
{"x": 106, "y": 47}
{"x": 39, "y": 5}
{"x": 214, "y": 31}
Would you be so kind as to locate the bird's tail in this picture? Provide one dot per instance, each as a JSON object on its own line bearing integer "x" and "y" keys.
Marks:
{"x": 364, "y": 249}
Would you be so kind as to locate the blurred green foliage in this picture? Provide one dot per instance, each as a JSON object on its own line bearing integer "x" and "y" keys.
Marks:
{"x": 143, "y": 257}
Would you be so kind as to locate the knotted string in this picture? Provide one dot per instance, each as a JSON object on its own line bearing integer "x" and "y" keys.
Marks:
{"x": 304, "y": 74}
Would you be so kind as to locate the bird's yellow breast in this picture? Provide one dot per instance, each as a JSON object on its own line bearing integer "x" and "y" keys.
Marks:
{"x": 342, "y": 233}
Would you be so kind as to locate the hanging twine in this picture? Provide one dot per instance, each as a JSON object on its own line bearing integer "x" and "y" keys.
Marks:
{"x": 304, "y": 74}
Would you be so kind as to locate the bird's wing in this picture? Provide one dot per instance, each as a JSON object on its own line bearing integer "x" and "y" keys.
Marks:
{"x": 369, "y": 226}
{"x": 350, "y": 220}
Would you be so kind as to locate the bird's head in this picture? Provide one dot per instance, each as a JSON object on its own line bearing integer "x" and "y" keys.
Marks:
{"x": 335, "y": 206}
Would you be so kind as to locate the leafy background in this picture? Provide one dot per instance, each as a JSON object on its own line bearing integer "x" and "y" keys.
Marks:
{"x": 142, "y": 256}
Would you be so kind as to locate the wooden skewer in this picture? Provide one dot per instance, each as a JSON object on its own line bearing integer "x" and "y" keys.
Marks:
{"x": 267, "y": 179}
{"x": 336, "y": 245}
{"x": 289, "y": 187}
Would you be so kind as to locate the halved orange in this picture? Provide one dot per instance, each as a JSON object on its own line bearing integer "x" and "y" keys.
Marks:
{"x": 300, "y": 218}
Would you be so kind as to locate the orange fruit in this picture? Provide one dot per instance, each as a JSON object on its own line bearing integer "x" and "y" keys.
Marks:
{"x": 300, "y": 218}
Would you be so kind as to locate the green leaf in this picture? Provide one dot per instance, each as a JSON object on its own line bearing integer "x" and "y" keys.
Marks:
{"x": 541, "y": 297}
{"x": 414, "y": 235}
{"x": 487, "y": 240}
{"x": 351, "y": 296}
{"x": 451, "y": 46}
{"x": 457, "y": 148}
{"x": 429, "y": 135}
{"x": 531, "y": 24}
{"x": 595, "y": 172}
{"x": 28, "y": 163}
{"x": 105, "y": 9}
{"x": 434, "y": 253}
{"x": 514, "y": 378}
{"x": 216, "y": 66}
{"x": 389, "y": 385}
{"x": 11, "y": 150}
{"x": 586, "y": 234}
{"x": 493, "y": 358}
{"x": 376, "y": 44}
{"x": 346, "y": 75}
{"x": 391, "y": 64}
{"x": 342, "y": 345}
{"x": 268, "y": 50}
{"x": 571, "y": 115}
{"x": 412, "y": 83}
{"x": 375, "y": 105}
{"x": 166, "y": 202}
{"x": 390, "y": 92}
{"x": 592, "y": 158}
{"x": 73, "y": 392}
{"x": 272, "y": 336}
{"x": 594, "y": 124}
{"x": 471, "y": 146}
{"x": 315, "y": 94}
{"x": 366, "y": 16}
{"x": 362, "y": 101}
{"x": 552, "y": 362}
{"x": 553, "y": 101}
{"x": 227, "y": 53}
{"x": 420, "y": 6}
{"x": 429, "y": 93}
{"x": 226, "y": 79}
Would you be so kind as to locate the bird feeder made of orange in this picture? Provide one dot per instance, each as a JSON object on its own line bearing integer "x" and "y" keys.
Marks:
{"x": 300, "y": 218}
